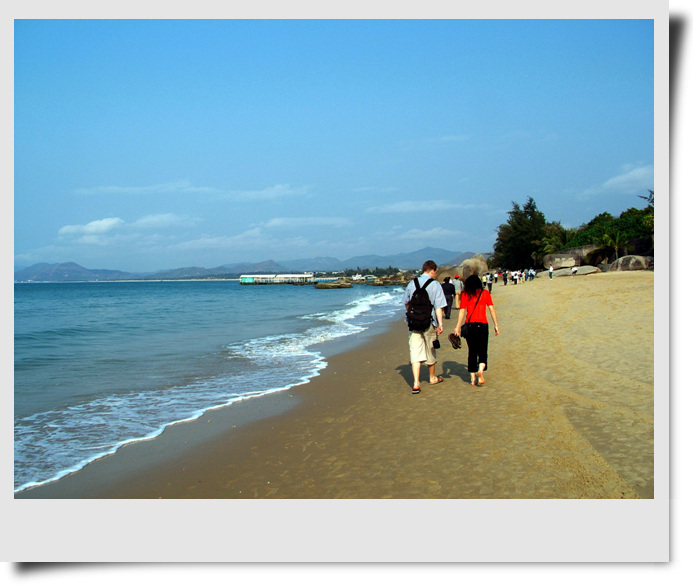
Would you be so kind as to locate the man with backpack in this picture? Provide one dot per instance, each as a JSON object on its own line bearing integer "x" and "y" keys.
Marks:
{"x": 424, "y": 301}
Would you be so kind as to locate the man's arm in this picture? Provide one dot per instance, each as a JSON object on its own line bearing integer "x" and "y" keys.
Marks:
{"x": 439, "y": 316}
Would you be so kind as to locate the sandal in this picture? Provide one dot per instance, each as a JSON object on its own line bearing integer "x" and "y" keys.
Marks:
{"x": 439, "y": 379}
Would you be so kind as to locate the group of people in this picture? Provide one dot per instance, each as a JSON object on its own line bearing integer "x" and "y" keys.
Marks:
{"x": 473, "y": 298}
{"x": 518, "y": 276}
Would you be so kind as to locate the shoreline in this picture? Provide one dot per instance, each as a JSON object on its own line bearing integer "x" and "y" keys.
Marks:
{"x": 138, "y": 456}
{"x": 543, "y": 426}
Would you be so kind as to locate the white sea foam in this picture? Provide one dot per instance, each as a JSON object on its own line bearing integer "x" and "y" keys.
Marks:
{"x": 53, "y": 443}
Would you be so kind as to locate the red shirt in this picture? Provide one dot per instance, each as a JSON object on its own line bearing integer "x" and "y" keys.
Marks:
{"x": 479, "y": 314}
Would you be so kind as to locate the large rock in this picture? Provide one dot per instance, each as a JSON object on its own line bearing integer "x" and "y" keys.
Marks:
{"x": 632, "y": 263}
{"x": 565, "y": 272}
{"x": 475, "y": 266}
{"x": 569, "y": 257}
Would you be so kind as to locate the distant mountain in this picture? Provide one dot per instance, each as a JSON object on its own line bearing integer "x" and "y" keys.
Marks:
{"x": 414, "y": 261}
{"x": 399, "y": 261}
{"x": 461, "y": 258}
{"x": 67, "y": 272}
{"x": 406, "y": 260}
{"x": 268, "y": 266}
{"x": 314, "y": 264}
{"x": 182, "y": 273}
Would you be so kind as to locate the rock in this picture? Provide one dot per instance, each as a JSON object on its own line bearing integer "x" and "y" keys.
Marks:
{"x": 582, "y": 270}
{"x": 332, "y": 285}
{"x": 569, "y": 257}
{"x": 475, "y": 266}
{"x": 632, "y": 263}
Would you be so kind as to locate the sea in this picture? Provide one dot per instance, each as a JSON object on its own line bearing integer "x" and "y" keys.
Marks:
{"x": 101, "y": 364}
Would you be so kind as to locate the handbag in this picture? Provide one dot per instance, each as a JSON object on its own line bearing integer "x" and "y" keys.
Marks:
{"x": 464, "y": 329}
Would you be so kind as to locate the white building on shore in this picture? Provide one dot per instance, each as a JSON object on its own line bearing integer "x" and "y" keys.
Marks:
{"x": 277, "y": 278}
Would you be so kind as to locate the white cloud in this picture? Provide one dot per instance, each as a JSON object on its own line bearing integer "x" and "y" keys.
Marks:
{"x": 271, "y": 193}
{"x": 253, "y": 235}
{"x": 183, "y": 186}
{"x": 632, "y": 180}
{"x": 306, "y": 221}
{"x": 164, "y": 221}
{"x": 186, "y": 187}
{"x": 422, "y": 205}
{"x": 428, "y": 235}
{"x": 375, "y": 189}
{"x": 110, "y": 225}
{"x": 96, "y": 227}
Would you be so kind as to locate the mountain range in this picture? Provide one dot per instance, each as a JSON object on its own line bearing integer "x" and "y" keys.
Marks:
{"x": 74, "y": 272}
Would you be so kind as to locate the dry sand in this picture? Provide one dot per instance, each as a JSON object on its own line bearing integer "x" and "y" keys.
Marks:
{"x": 567, "y": 411}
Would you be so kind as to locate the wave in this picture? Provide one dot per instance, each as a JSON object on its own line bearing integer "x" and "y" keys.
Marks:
{"x": 54, "y": 443}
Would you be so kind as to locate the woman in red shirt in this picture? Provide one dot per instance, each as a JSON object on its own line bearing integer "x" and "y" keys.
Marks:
{"x": 474, "y": 301}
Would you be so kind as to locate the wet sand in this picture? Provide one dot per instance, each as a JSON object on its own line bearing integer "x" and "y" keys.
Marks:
{"x": 567, "y": 412}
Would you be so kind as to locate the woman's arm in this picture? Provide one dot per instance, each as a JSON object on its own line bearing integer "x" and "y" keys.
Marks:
{"x": 460, "y": 320}
{"x": 495, "y": 319}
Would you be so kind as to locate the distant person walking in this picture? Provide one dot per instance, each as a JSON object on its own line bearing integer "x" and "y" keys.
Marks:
{"x": 475, "y": 301}
{"x": 422, "y": 335}
{"x": 458, "y": 290}
{"x": 449, "y": 291}
{"x": 550, "y": 271}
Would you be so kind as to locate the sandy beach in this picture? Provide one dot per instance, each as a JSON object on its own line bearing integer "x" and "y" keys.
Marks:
{"x": 567, "y": 412}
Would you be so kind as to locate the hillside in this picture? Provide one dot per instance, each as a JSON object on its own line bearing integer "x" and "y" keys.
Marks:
{"x": 66, "y": 272}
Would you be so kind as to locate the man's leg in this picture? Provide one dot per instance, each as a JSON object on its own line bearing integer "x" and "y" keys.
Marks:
{"x": 432, "y": 377}
{"x": 416, "y": 371}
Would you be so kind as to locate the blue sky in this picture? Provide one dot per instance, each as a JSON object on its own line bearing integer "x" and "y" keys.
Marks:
{"x": 154, "y": 144}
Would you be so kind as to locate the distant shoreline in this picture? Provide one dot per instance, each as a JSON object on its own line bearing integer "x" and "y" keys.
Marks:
{"x": 135, "y": 280}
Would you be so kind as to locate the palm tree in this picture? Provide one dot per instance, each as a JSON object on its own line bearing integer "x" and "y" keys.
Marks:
{"x": 611, "y": 241}
{"x": 649, "y": 219}
{"x": 618, "y": 240}
{"x": 556, "y": 238}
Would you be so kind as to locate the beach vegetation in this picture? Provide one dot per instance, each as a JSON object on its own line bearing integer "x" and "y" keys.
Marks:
{"x": 556, "y": 237}
{"x": 524, "y": 240}
{"x": 520, "y": 239}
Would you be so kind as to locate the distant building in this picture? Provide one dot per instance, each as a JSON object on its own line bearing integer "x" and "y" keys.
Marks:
{"x": 278, "y": 278}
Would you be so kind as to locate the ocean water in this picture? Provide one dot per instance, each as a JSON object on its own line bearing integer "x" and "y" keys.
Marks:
{"x": 98, "y": 365}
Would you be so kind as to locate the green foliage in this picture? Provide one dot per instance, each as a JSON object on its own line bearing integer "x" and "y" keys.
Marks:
{"x": 518, "y": 241}
{"x": 527, "y": 237}
{"x": 556, "y": 238}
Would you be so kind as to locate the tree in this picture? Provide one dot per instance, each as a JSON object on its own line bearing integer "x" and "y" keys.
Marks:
{"x": 519, "y": 240}
{"x": 649, "y": 198}
{"x": 648, "y": 221}
{"x": 608, "y": 242}
{"x": 556, "y": 238}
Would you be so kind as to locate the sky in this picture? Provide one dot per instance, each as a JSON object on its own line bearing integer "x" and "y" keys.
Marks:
{"x": 142, "y": 145}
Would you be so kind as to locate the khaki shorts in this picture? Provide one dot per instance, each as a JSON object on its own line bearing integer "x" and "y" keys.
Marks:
{"x": 421, "y": 346}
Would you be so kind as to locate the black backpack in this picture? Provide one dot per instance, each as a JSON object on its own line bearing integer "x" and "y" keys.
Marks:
{"x": 420, "y": 308}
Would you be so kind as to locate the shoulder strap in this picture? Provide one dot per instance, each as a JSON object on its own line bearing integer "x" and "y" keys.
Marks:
{"x": 474, "y": 308}
{"x": 425, "y": 285}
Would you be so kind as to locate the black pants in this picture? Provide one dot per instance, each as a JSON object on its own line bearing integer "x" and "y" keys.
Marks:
{"x": 448, "y": 308}
{"x": 477, "y": 343}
